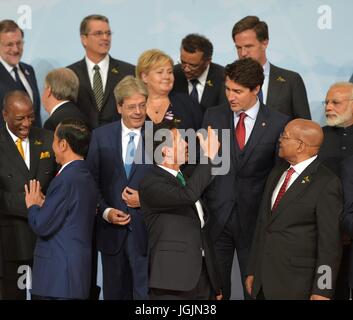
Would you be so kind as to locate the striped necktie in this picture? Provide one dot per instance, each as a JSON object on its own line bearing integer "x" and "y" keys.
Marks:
{"x": 98, "y": 87}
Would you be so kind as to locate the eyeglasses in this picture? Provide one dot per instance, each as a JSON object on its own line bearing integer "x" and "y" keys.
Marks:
{"x": 133, "y": 107}
{"x": 100, "y": 34}
{"x": 334, "y": 102}
{"x": 282, "y": 136}
{"x": 18, "y": 44}
{"x": 190, "y": 65}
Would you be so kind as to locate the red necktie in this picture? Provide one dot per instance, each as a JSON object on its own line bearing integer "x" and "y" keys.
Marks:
{"x": 240, "y": 131}
{"x": 283, "y": 188}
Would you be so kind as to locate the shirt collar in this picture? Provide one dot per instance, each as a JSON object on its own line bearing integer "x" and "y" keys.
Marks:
{"x": 103, "y": 64}
{"x": 252, "y": 112}
{"x": 57, "y": 106}
{"x": 171, "y": 171}
{"x": 14, "y": 137}
{"x": 203, "y": 77}
{"x": 266, "y": 68}
{"x": 125, "y": 130}
{"x": 301, "y": 166}
{"x": 8, "y": 67}
{"x": 66, "y": 164}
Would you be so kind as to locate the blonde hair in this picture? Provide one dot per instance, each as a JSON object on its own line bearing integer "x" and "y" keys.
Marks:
{"x": 151, "y": 59}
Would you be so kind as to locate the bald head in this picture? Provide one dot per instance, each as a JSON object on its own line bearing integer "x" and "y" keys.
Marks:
{"x": 301, "y": 140}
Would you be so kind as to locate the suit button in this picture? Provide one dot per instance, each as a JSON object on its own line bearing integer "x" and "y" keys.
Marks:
{"x": 344, "y": 148}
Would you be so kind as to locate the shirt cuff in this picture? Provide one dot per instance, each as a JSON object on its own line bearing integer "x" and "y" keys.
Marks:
{"x": 105, "y": 214}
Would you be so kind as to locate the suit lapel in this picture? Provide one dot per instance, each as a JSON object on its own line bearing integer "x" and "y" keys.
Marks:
{"x": 10, "y": 150}
{"x": 296, "y": 188}
{"x": 209, "y": 91}
{"x": 5, "y": 74}
{"x": 113, "y": 77}
{"x": 274, "y": 86}
{"x": 84, "y": 81}
{"x": 115, "y": 141}
{"x": 29, "y": 77}
{"x": 35, "y": 148}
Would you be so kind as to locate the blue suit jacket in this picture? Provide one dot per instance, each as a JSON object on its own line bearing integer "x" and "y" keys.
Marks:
{"x": 7, "y": 83}
{"x": 106, "y": 164}
{"x": 64, "y": 226}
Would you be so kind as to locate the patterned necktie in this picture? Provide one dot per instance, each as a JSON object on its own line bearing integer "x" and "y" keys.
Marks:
{"x": 260, "y": 96}
{"x": 19, "y": 83}
{"x": 181, "y": 179}
{"x": 20, "y": 148}
{"x": 283, "y": 188}
{"x": 194, "y": 94}
{"x": 98, "y": 87}
{"x": 130, "y": 154}
{"x": 240, "y": 132}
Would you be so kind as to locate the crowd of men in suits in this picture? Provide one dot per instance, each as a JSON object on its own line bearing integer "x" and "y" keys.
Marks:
{"x": 169, "y": 230}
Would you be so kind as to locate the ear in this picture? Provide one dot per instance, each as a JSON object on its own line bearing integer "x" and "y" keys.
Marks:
{"x": 119, "y": 107}
{"x": 83, "y": 40}
{"x": 256, "y": 90}
{"x": 264, "y": 45}
{"x": 144, "y": 77}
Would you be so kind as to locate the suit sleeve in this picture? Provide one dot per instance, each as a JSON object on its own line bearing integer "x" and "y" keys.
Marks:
{"x": 46, "y": 220}
{"x": 300, "y": 102}
{"x": 160, "y": 195}
{"x": 328, "y": 213}
{"x": 347, "y": 181}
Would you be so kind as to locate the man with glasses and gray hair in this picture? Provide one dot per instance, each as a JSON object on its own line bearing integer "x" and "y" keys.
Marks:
{"x": 98, "y": 72}
{"x": 338, "y": 145}
{"x": 14, "y": 74}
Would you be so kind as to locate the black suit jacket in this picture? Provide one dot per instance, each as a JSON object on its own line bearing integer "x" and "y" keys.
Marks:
{"x": 86, "y": 101}
{"x": 7, "y": 83}
{"x": 287, "y": 94}
{"x": 17, "y": 239}
{"x": 301, "y": 235}
{"x": 174, "y": 229}
{"x": 68, "y": 110}
{"x": 214, "y": 92}
{"x": 241, "y": 188}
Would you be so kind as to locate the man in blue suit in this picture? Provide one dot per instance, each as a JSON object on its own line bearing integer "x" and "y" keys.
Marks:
{"x": 63, "y": 220}
{"x": 16, "y": 75}
{"x": 112, "y": 159}
{"x": 233, "y": 199}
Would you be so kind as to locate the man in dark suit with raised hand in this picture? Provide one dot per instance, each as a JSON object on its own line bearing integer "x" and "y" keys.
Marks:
{"x": 197, "y": 75}
{"x": 98, "y": 72}
{"x": 63, "y": 219}
{"x": 14, "y": 74}
{"x": 116, "y": 161}
{"x": 25, "y": 153}
{"x": 297, "y": 243}
{"x": 181, "y": 263}
{"x": 283, "y": 90}
{"x": 59, "y": 97}
{"x": 234, "y": 198}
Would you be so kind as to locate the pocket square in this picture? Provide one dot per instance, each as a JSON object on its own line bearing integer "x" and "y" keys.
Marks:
{"x": 44, "y": 155}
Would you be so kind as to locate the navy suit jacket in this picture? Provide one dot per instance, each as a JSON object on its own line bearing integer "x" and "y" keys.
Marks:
{"x": 242, "y": 187}
{"x": 64, "y": 226}
{"x": 106, "y": 164}
{"x": 214, "y": 92}
{"x": 86, "y": 101}
{"x": 7, "y": 83}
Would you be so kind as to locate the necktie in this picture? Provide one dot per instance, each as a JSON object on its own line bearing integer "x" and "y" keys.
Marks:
{"x": 194, "y": 94}
{"x": 283, "y": 188}
{"x": 240, "y": 131}
{"x": 130, "y": 154}
{"x": 20, "y": 148}
{"x": 260, "y": 96}
{"x": 19, "y": 83}
{"x": 98, "y": 87}
{"x": 181, "y": 179}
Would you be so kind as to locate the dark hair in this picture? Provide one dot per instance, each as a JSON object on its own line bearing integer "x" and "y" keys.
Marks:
{"x": 195, "y": 42}
{"x": 9, "y": 26}
{"x": 246, "y": 72}
{"x": 19, "y": 95}
{"x": 252, "y": 23}
{"x": 77, "y": 135}
{"x": 84, "y": 23}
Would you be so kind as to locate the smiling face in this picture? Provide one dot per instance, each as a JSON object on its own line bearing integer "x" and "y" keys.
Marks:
{"x": 160, "y": 79}
{"x": 19, "y": 116}
{"x": 11, "y": 47}
{"x": 133, "y": 111}
{"x": 97, "y": 41}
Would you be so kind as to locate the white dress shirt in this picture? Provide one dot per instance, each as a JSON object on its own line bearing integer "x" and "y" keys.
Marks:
{"x": 103, "y": 70}
{"x": 25, "y": 146}
{"x": 197, "y": 203}
{"x": 298, "y": 169}
{"x": 249, "y": 120}
{"x": 124, "y": 142}
{"x": 20, "y": 74}
{"x": 266, "y": 67}
{"x": 201, "y": 85}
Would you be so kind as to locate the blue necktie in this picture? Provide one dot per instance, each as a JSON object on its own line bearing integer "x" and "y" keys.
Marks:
{"x": 260, "y": 96}
{"x": 19, "y": 83}
{"x": 130, "y": 154}
{"x": 194, "y": 94}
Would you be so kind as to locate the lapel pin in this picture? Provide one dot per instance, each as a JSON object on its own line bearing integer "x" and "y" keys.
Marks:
{"x": 263, "y": 124}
